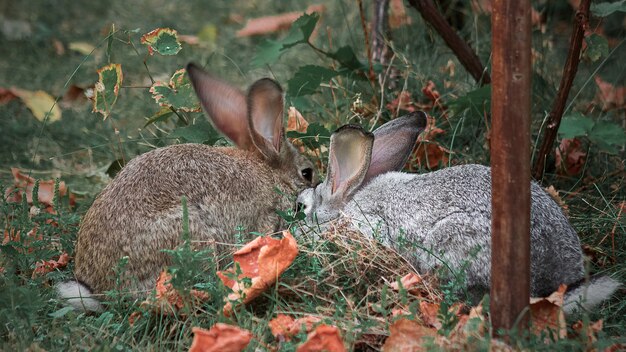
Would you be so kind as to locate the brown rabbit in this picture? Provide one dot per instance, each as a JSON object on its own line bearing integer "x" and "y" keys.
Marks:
{"x": 139, "y": 213}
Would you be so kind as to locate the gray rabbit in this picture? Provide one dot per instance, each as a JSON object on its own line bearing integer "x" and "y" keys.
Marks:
{"x": 139, "y": 213}
{"x": 442, "y": 216}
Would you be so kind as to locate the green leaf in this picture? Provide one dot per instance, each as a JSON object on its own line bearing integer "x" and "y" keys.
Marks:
{"x": 597, "y": 47}
{"x": 575, "y": 125}
{"x": 306, "y": 80}
{"x": 200, "y": 131}
{"x": 299, "y": 33}
{"x": 107, "y": 88}
{"x": 607, "y": 135}
{"x": 315, "y": 136}
{"x": 161, "y": 115}
{"x": 347, "y": 58}
{"x": 478, "y": 99}
{"x": 301, "y": 30}
{"x": 61, "y": 312}
{"x": 162, "y": 40}
{"x": 604, "y": 9}
{"x": 268, "y": 52}
{"x": 178, "y": 94}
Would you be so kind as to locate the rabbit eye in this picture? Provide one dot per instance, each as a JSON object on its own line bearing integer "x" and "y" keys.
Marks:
{"x": 307, "y": 173}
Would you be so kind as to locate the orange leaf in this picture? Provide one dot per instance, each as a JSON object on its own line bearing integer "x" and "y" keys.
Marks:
{"x": 610, "y": 96}
{"x": 272, "y": 24}
{"x": 45, "y": 266}
{"x": 430, "y": 92}
{"x": 295, "y": 121}
{"x": 280, "y": 325}
{"x": 409, "y": 282}
{"x": 220, "y": 338}
{"x": 402, "y": 102}
{"x": 263, "y": 261}
{"x": 324, "y": 338}
{"x": 6, "y": 95}
{"x": 397, "y": 14}
{"x": 405, "y": 336}
{"x": 431, "y": 155}
{"x": 546, "y": 313}
{"x": 570, "y": 157}
{"x": 590, "y": 331}
{"x": 286, "y": 327}
{"x": 12, "y": 235}
{"x": 26, "y": 184}
{"x": 429, "y": 314}
{"x": 167, "y": 297}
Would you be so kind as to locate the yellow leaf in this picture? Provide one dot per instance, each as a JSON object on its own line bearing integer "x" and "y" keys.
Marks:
{"x": 82, "y": 47}
{"x": 40, "y": 104}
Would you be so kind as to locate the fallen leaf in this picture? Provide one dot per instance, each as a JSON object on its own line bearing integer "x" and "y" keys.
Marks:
{"x": 262, "y": 261}
{"x": 430, "y": 92}
{"x": 26, "y": 184}
{"x": 397, "y": 15}
{"x": 59, "y": 48}
{"x": 6, "y": 95}
{"x": 285, "y": 327}
{"x": 610, "y": 97}
{"x": 557, "y": 198}
{"x": 402, "y": 102}
{"x": 273, "y": 24}
{"x": 409, "y": 282}
{"x": 168, "y": 300}
{"x": 589, "y": 331}
{"x": 295, "y": 121}
{"x": 406, "y": 335}
{"x": 429, "y": 154}
{"x": 429, "y": 312}
{"x": 450, "y": 68}
{"x": 280, "y": 325}
{"x": 45, "y": 266}
{"x": 570, "y": 157}
{"x": 189, "y": 39}
{"x": 325, "y": 338}
{"x": 74, "y": 96}
{"x": 82, "y": 47}
{"x": 13, "y": 235}
{"x": 40, "y": 103}
{"x": 477, "y": 329}
{"x": 546, "y": 313}
{"x": 134, "y": 316}
{"x": 220, "y": 338}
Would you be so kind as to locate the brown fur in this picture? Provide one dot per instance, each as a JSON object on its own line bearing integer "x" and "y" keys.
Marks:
{"x": 139, "y": 213}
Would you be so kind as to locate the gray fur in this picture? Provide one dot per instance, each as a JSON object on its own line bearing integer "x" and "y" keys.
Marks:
{"x": 442, "y": 216}
{"x": 139, "y": 213}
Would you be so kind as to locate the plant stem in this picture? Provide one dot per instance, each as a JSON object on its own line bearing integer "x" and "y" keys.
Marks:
{"x": 459, "y": 47}
{"x": 569, "y": 72}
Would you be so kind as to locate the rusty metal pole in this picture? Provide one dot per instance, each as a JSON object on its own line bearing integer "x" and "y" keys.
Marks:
{"x": 510, "y": 161}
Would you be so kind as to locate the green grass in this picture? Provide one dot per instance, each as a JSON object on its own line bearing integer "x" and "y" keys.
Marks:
{"x": 327, "y": 279}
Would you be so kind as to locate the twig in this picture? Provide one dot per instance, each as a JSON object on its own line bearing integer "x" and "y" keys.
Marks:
{"x": 569, "y": 72}
{"x": 461, "y": 49}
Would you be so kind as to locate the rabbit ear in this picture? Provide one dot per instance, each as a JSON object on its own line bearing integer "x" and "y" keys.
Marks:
{"x": 225, "y": 105}
{"x": 265, "y": 116}
{"x": 349, "y": 158}
{"x": 394, "y": 142}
